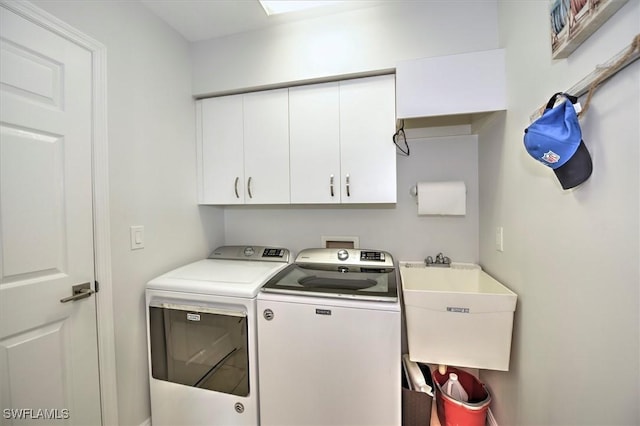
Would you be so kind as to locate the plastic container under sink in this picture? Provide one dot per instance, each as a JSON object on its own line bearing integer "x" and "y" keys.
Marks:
{"x": 457, "y": 316}
{"x": 452, "y": 412}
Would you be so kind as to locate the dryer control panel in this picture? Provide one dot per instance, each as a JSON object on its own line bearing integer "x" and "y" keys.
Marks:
{"x": 274, "y": 252}
{"x": 259, "y": 253}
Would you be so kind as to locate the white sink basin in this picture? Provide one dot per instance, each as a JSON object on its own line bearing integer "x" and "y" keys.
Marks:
{"x": 457, "y": 316}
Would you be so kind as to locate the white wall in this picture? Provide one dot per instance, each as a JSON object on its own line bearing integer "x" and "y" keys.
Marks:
{"x": 572, "y": 256}
{"x": 359, "y": 41}
{"x": 395, "y": 228}
{"x": 362, "y": 41}
{"x": 151, "y": 125}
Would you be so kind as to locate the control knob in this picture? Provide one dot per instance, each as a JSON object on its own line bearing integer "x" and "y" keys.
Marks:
{"x": 343, "y": 254}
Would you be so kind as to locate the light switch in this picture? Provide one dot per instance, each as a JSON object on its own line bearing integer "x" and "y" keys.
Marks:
{"x": 137, "y": 237}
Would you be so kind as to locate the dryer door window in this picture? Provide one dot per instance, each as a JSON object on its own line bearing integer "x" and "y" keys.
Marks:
{"x": 200, "y": 347}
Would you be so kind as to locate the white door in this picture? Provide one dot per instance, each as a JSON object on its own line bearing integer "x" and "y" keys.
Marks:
{"x": 314, "y": 118}
{"x": 368, "y": 155}
{"x": 266, "y": 147}
{"x": 48, "y": 349}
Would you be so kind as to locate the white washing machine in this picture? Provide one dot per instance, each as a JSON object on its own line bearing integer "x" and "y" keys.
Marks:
{"x": 329, "y": 348}
{"x": 201, "y": 334}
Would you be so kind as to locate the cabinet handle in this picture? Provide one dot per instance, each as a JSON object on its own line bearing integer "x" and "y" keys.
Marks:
{"x": 235, "y": 187}
{"x": 331, "y": 185}
{"x": 348, "y": 190}
{"x": 249, "y": 187}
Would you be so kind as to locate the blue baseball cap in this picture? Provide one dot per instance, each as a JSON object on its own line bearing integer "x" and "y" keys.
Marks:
{"x": 555, "y": 140}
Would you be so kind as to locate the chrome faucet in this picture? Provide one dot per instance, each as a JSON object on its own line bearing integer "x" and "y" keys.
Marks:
{"x": 441, "y": 260}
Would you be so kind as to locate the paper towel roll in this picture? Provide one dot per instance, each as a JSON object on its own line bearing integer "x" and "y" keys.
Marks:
{"x": 442, "y": 198}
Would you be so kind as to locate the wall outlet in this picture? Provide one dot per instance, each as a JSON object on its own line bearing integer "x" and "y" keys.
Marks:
{"x": 137, "y": 237}
{"x": 499, "y": 238}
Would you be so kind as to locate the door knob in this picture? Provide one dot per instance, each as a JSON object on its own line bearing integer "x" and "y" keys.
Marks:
{"x": 80, "y": 291}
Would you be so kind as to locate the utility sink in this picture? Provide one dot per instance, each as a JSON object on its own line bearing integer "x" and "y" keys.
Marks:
{"x": 457, "y": 315}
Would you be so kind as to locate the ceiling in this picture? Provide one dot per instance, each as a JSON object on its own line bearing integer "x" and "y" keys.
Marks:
{"x": 205, "y": 19}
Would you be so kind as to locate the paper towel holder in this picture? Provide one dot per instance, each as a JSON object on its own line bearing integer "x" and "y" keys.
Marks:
{"x": 446, "y": 198}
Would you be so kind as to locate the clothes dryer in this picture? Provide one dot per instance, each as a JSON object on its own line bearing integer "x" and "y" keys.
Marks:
{"x": 201, "y": 334}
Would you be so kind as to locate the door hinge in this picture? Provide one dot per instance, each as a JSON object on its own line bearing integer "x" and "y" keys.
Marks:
{"x": 97, "y": 287}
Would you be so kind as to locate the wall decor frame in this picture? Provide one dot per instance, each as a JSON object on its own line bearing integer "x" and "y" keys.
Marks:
{"x": 573, "y": 21}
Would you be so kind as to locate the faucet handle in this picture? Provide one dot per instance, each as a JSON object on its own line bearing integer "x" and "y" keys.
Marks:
{"x": 440, "y": 260}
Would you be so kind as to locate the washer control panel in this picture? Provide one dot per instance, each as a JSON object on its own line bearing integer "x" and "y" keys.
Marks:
{"x": 330, "y": 258}
{"x": 373, "y": 256}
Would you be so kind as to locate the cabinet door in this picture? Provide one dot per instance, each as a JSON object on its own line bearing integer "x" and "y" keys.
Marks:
{"x": 367, "y": 124}
{"x": 221, "y": 160}
{"x": 314, "y": 141}
{"x": 455, "y": 84}
{"x": 266, "y": 147}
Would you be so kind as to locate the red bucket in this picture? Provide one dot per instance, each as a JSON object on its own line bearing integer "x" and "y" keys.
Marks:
{"x": 452, "y": 412}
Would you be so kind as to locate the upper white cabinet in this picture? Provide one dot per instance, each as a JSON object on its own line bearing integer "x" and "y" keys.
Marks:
{"x": 266, "y": 147}
{"x": 243, "y": 148}
{"x": 314, "y": 126}
{"x": 450, "y": 85}
{"x": 325, "y": 143}
{"x": 367, "y": 153}
{"x": 221, "y": 150}
{"x": 340, "y": 142}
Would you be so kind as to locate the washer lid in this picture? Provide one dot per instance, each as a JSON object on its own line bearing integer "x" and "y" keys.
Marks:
{"x": 356, "y": 283}
{"x": 220, "y": 277}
